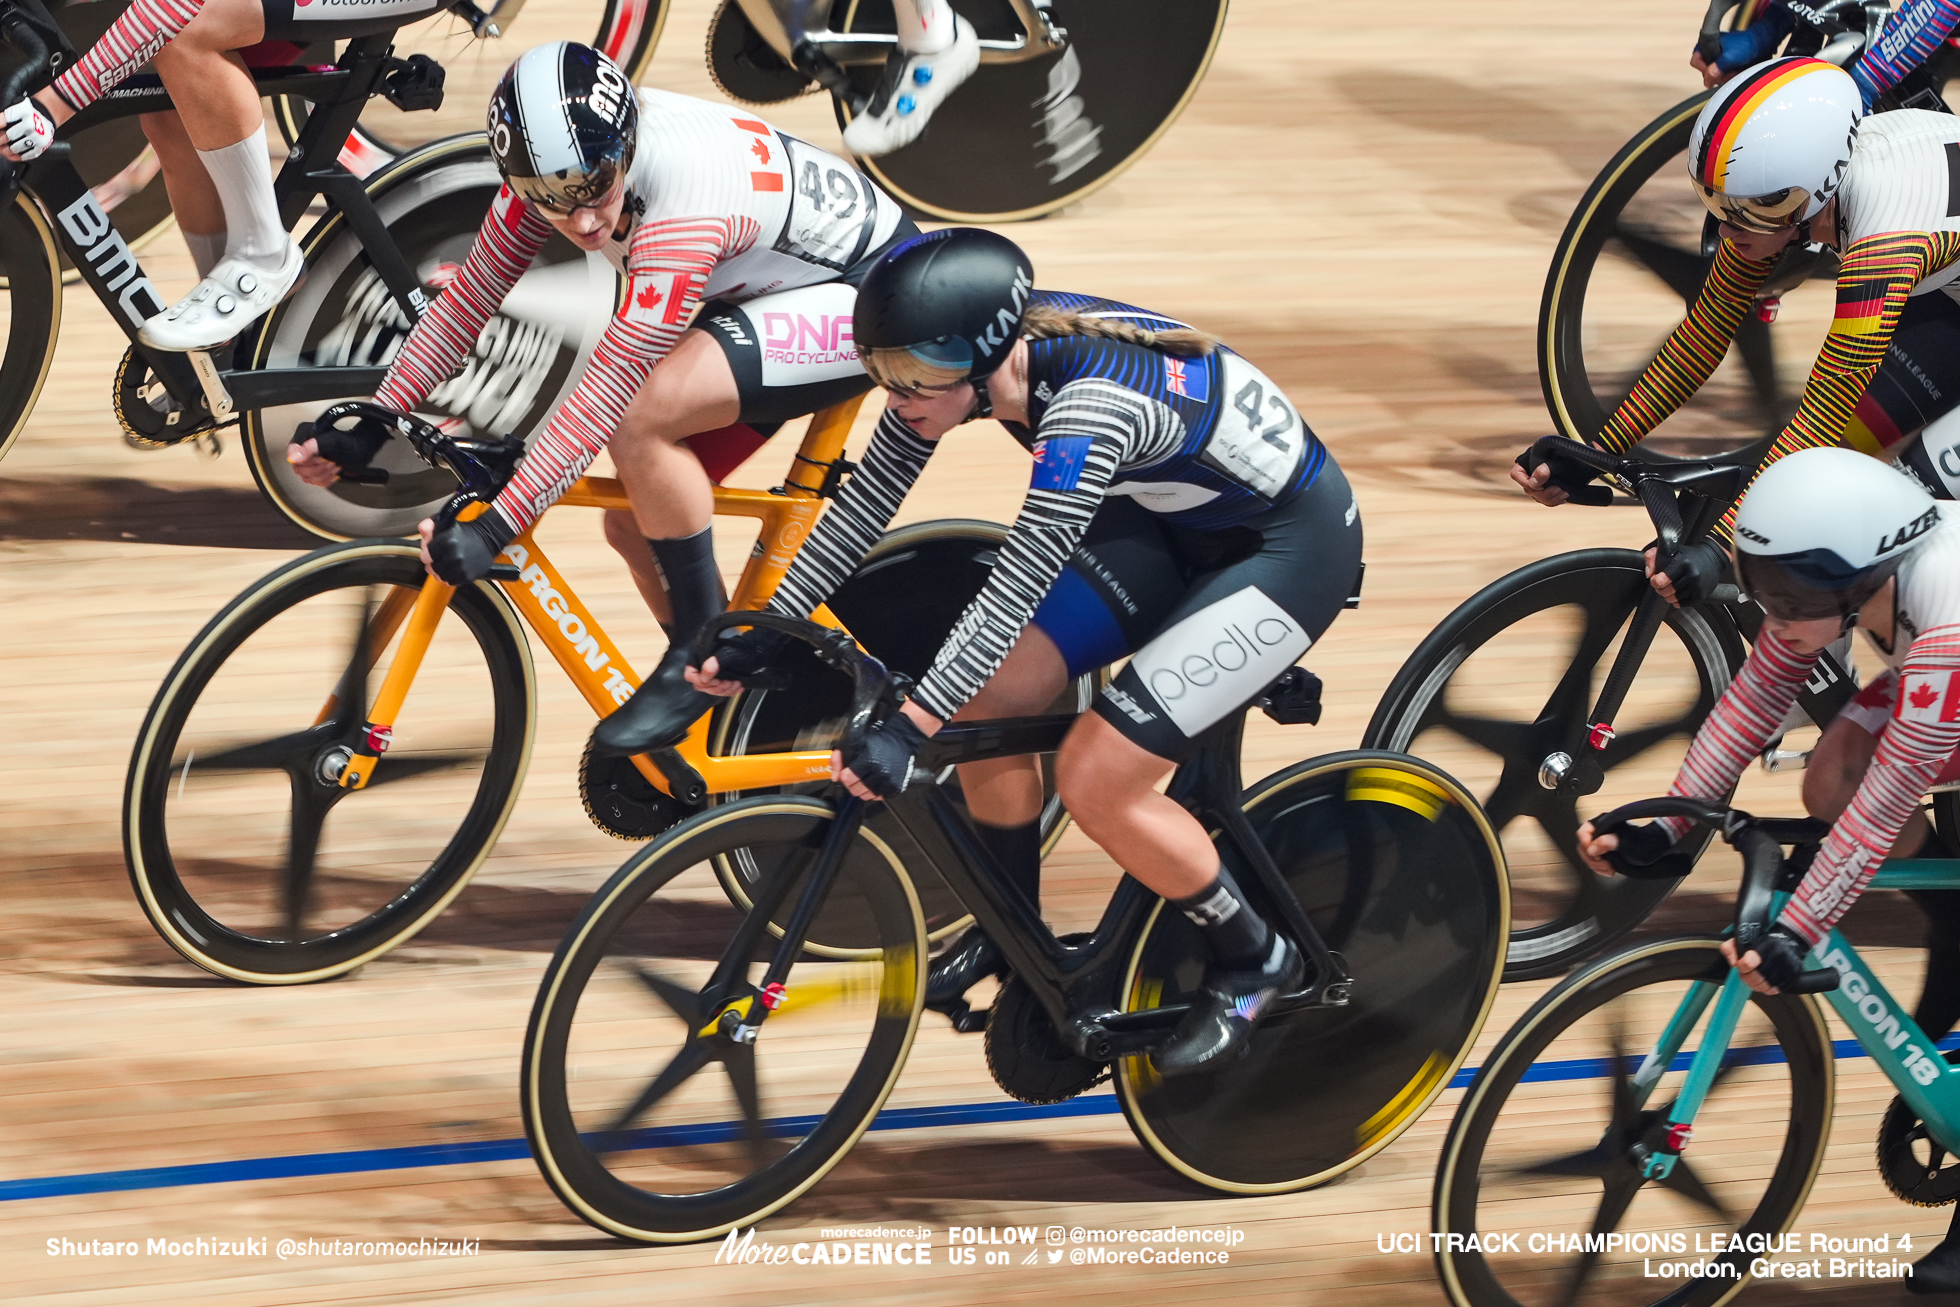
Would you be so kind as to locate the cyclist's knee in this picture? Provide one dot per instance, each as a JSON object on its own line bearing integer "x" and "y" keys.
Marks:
{"x": 624, "y": 535}
{"x": 1836, "y": 767}
{"x": 1102, "y": 776}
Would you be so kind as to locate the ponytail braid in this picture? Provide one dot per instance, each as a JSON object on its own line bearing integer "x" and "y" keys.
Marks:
{"x": 1043, "y": 322}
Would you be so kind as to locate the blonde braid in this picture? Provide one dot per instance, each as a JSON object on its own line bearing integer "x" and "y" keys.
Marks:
{"x": 1043, "y": 322}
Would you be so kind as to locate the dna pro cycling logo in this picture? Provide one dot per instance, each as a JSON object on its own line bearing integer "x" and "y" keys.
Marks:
{"x": 1219, "y": 657}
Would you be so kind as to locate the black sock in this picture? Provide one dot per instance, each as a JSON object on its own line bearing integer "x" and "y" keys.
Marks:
{"x": 687, "y": 566}
{"x": 1238, "y": 935}
{"x": 1018, "y": 851}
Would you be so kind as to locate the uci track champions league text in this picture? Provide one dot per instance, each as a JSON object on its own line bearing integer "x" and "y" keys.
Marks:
{"x": 979, "y": 1246}
{"x": 1684, "y": 1255}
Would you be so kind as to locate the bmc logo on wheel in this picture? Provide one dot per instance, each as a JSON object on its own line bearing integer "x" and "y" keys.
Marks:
{"x": 1219, "y": 657}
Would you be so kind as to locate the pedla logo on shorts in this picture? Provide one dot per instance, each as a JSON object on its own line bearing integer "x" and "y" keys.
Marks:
{"x": 1220, "y": 656}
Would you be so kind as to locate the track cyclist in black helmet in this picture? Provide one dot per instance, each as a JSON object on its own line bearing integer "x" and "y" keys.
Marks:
{"x": 1179, "y": 512}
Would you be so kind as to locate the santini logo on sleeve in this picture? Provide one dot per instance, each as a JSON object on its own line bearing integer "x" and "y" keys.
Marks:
{"x": 1219, "y": 657}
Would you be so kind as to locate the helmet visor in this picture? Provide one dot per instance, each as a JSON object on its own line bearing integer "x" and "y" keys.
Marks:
{"x": 1760, "y": 213}
{"x": 932, "y": 366}
{"x": 1809, "y": 586}
{"x": 566, "y": 192}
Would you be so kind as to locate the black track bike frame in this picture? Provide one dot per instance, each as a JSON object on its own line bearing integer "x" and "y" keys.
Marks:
{"x": 104, "y": 260}
{"x": 1077, "y": 983}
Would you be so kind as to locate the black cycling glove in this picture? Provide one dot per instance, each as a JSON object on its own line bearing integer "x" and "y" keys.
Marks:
{"x": 746, "y": 656}
{"x": 883, "y": 761}
{"x": 1782, "y": 951}
{"x": 349, "y": 443}
{"x": 1575, "y": 479}
{"x": 1646, "y": 853}
{"x": 1695, "y": 570}
{"x": 462, "y": 552}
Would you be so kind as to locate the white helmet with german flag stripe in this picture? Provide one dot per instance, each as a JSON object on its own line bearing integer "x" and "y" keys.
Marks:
{"x": 1771, "y": 146}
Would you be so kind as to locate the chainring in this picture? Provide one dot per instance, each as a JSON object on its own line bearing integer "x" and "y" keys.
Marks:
{"x": 146, "y": 426}
{"x": 1914, "y": 1165}
{"x": 745, "y": 67}
{"x": 1027, "y": 1056}
{"x": 623, "y": 803}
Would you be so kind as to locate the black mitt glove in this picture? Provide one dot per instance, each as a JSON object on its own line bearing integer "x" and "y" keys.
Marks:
{"x": 348, "y": 443}
{"x": 1575, "y": 479}
{"x": 1695, "y": 570}
{"x": 463, "y": 552}
{"x": 884, "y": 760}
{"x": 1646, "y": 853}
{"x": 748, "y": 656}
{"x": 1782, "y": 951}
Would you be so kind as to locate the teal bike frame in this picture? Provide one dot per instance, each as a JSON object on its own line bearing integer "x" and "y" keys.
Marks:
{"x": 1910, "y": 1060}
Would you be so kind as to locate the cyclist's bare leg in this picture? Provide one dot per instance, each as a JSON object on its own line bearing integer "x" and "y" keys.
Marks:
{"x": 1007, "y": 791}
{"x": 1836, "y": 767}
{"x": 193, "y": 195}
{"x": 1109, "y": 786}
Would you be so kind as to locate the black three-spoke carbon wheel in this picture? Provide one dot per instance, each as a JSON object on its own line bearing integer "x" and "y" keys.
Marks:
{"x": 30, "y": 312}
{"x": 1404, "y": 879}
{"x": 1544, "y": 1141}
{"x": 664, "y": 1100}
{"x": 245, "y": 853}
{"x": 1509, "y": 680}
{"x": 1632, "y": 257}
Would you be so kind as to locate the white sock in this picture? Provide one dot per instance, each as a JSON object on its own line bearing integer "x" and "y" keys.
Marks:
{"x": 924, "y": 26}
{"x": 243, "y": 174}
{"x": 205, "y": 250}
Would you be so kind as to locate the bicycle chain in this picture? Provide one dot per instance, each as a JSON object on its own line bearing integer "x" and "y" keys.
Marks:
{"x": 142, "y": 423}
{"x": 1921, "y": 1183}
{"x": 1026, "y": 1055}
{"x": 623, "y": 803}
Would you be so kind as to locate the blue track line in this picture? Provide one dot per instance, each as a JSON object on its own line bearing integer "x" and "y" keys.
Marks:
{"x": 892, "y": 1118}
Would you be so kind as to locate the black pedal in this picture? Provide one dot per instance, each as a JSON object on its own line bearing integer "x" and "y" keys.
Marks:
{"x": 1294, "y": 699}
{"x": 965, "y": 1020}
{"x": 413, "y": 83}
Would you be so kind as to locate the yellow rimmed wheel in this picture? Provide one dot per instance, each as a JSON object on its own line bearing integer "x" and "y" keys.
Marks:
{"x": 665, "y": 1099}
{"x": 30, "y": 312}
{"x": 1398, "y": 870}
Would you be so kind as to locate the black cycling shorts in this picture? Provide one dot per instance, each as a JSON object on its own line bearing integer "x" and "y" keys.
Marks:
{"x": 1916, "y": 386}
{"x": 793, "y": 352}
{"x": 1211, "y": 617}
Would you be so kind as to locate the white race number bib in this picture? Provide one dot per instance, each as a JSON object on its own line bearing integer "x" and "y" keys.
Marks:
{"x": 1259, "y": 439}
{"x": 831, "y": 208}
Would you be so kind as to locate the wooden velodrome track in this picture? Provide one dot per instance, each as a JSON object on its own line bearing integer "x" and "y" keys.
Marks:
{"x": 1363, "y": 201}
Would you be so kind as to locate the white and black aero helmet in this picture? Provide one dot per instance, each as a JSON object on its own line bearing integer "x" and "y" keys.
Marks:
{"x": 563, "y": 123}
{"x": 1823, "y": 529}
{"x": 942, "y": 308}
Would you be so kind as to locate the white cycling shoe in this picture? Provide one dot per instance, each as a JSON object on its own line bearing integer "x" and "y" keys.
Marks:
{"x": 235, "y": 294}
{"x": 912, "y": 87}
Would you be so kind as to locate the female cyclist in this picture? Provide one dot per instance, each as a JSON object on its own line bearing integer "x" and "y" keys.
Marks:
{"x": 1179, "y": 511}
{"x": 715, "y": 218}
{"x": 212, "y": 149}
{"x": 1825, "y": 539}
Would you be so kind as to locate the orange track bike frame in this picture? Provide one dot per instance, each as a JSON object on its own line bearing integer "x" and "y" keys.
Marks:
{"x": 567, "y": 628}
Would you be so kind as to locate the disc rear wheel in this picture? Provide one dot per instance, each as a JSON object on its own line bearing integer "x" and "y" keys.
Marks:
{"x": 1403, "y": 878}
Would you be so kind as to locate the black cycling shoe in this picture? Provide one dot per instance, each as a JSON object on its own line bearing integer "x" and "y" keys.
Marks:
{"x": 657, "y": 715}
{"x": 1219, "y": 1025}
{"x": 972, "y": 958}
{"x": 1938, "y": 1271}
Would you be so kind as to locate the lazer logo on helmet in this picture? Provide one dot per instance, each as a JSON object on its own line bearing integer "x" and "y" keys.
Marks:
{"x": 1747, "y": 534}
{"x": 1919, "y": 526}
{"x": 1219, "y": 657}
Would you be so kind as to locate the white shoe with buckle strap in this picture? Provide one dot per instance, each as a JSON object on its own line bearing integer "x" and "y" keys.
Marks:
{"x": 913, "y": 85}
{"x": 236, "y": 293}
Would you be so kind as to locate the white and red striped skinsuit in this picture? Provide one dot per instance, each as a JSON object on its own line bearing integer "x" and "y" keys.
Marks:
{"x": 719, "y": 206}
{"x": 1915, "y": 744}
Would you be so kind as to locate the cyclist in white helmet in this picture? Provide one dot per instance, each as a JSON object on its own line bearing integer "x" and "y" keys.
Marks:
{"x": 1827, "y": 538}
{"x": 1783, "y": 154}
{"x": 724, "y": 227}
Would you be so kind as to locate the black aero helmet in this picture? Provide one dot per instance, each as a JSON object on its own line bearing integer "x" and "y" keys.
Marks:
{"x": 563, "y": 123}
{"x": 942, "y": 308}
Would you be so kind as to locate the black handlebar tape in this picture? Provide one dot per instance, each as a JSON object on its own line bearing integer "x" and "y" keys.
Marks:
{"x": 1695, "y": 810}
{"x": 1576, "y": 482}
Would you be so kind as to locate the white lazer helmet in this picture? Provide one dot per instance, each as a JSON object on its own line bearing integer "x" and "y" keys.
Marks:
{"x": 1771, "y": 146}
{"x": 1823, "y": 529}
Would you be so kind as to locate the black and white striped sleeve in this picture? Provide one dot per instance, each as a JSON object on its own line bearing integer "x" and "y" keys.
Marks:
{"x": 855, "y": 519}
{"x": 1120, "y": 427}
